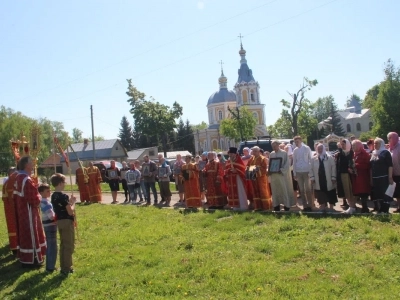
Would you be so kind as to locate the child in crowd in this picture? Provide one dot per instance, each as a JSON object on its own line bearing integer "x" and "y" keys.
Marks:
{"x": 49, "y": 226}
{"x": 64, "y": 207}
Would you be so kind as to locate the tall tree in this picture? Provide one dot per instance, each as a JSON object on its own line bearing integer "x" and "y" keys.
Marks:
{"x": 371, "y": 97}
{"x": 201, "y": 126}
{"x": 237, "y": 129}
{"x": 125, "y": 134}
{"x": 152, "y": 118}
{"x": 335, "y": 122}
{"x": 180, "y": 135}
{"x": 297, "y": 102}
{"x": 189, "y": 140}
{"x": 386, "y": 112}
{"x": 77, "y": 135}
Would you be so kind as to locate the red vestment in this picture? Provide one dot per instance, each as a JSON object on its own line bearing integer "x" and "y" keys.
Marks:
{"x": 261, "y": 190}
{"x": 82, "y": 184}
{"x": 192, "y": 188}
{"x": 231, "y": 180}
{"x": 94, "y": 184}
{"x": 215, "y": 184}
{"x": 31, "y": 239}
{"x": 9, "y": 210}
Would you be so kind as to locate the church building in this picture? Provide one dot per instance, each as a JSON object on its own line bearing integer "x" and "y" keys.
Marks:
{"x": 246, "y": 92}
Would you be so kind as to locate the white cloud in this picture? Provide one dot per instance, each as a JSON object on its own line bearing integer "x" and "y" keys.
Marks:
{"x": 200, "y": 4}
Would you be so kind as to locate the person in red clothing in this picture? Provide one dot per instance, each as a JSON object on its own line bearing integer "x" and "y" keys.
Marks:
{"x": 82, "y": 180}
{"x": 360, "y": 175}
{"x": 9, "y": 209}
{"x": 31, "y": 239}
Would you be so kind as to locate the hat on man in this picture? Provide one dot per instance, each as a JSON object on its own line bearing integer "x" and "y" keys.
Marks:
{"x": 204, "y": 153}
{"x": 232, "y": 150}
{"x": 188, "y": 155}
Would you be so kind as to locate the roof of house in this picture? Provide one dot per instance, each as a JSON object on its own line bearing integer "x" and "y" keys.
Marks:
{"x": 347, "y": 115}
{"x": 173, "y": 154}
{"x": 136, "y": 153}
{"x": 85, "y": 152}
{"x": 54, "y": 158}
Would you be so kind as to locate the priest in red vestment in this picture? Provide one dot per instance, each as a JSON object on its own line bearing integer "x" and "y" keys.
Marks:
{"x": 31, "y": 239}
{"x": 94, "y": 183}
{"x": 235, "y": 180}
{"x": 190, "y": 177}
{"x": 261, "y": 191}
{"x": 215, "y": 184}
{"x": 9, "y": 208}
{"x": 82, "y": 180}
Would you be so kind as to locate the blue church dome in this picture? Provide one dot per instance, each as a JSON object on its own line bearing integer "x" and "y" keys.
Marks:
{"x": 223, "y": 95}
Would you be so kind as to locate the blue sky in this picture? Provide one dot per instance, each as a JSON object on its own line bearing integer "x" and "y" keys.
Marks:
{"x": 59, "y": 57}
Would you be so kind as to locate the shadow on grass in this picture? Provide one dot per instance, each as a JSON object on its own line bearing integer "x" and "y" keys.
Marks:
{"x": 36, "y": 285}
{"x": 384, "y": 218}
{"x": 11, "y": 272}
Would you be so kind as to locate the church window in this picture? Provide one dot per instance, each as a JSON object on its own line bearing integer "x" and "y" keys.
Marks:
{"x": 358, "y": 126}
{"x": 220, "y": 115}
{"x": 244, "y": 96}
{"x": 210, "y": 116}
{"x": 252, "y": 97}
{"x": 222, "y": 144}
{"x": 348, "y": 127}
{"x": 370, "y": 125}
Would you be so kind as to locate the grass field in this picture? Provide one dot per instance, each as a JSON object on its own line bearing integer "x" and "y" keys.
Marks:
{"x": 127, "y": 252}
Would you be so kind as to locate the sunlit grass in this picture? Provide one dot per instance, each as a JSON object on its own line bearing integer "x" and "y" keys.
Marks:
{"x": 128, "y": 252}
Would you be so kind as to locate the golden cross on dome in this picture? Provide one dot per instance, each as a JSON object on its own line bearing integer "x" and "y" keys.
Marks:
{"x": 240, "y": 36}
{"x": 222, "y": 69}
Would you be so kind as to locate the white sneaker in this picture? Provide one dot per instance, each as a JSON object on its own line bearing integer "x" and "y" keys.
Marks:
{"x": 350, "y": 211}
{"x": 133, "y": 202}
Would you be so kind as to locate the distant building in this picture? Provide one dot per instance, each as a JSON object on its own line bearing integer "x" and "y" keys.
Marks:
{"x": 246, "y": 92}
{"x": 354, "y": 119}
{"x": 138, "y": 154}
{"x": 104, "y": 150}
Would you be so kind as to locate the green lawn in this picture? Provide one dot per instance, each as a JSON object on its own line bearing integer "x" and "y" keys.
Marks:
{"x": 128, "y": 252}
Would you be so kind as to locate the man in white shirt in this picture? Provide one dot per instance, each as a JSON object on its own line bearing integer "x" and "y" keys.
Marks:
{"x": 301, "y": 169}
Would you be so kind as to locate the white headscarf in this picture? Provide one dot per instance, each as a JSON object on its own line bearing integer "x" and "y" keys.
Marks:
{"x": 381, "y": 148}
{"x": 347, "y": 149}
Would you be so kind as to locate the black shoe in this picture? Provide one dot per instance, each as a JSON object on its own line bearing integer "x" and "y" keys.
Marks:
{"x": 286, "y": 208}
{"x": 50, "y": 270}
{"x": 307, "y": 209}
{"x": 277, "y": 208}
{"x": 365, "y": 210}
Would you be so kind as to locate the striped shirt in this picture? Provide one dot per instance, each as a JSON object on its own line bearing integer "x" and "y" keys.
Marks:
{"x": 47, "y": 213}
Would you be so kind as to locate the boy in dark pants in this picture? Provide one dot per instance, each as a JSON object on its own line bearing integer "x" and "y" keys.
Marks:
{"x": 64, "y": 209}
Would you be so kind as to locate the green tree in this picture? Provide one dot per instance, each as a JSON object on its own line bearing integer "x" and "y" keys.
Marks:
{"x": 386, "y": 112}
{"x": 189, "y": 139}
{"x": 371, "y": 97}
{"x": 201, "y": 126}
{"x": 152, "y": 118}
{"x": 243, "y": 127}
{"x": 297, "y": 102}
{"x": 125, "y": 134}
{"x": 322, "y": 108}
{"x": 77, "y": 135}
{"x": 282, "y": 127}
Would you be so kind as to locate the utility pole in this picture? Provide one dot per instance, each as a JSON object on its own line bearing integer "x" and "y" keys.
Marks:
{"x": 237, "y": 117}
{"x": 91, "y": 117}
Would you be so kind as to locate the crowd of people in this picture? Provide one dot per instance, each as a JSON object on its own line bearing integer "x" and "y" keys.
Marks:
{"x": 256, "y": 180}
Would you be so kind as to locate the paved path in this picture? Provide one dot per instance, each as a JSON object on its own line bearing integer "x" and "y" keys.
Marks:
{"x": 107, "y": 199}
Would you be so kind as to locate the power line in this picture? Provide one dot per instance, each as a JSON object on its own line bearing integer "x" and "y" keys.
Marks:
{"x": 153, "y": 49}
{"x": 205, "y": 50}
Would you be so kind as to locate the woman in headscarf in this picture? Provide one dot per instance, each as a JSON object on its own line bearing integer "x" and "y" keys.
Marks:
{"x": 381, "y": 171}
{"x": 323, "y": 178}
{"x": 361, "y": 176}
{"x": 344, "y": 161}
{"x": 221, "y": 158}
{"x": 394, "y": 148}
